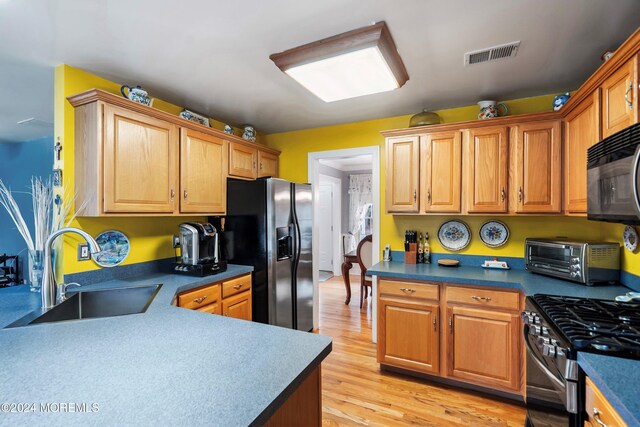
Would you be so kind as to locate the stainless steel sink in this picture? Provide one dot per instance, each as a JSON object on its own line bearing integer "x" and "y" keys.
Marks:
{"x": 94, "y": 304}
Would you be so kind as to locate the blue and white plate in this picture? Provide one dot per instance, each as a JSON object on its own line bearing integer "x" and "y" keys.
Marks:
{"x": 454, "y": 235}
{"x": 494, "y": 234}
{"x": 114, "y": 248}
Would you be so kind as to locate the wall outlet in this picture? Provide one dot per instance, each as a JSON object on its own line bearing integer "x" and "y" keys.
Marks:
{"x": 83, "y": 252}
{"x": 176, "y": 241}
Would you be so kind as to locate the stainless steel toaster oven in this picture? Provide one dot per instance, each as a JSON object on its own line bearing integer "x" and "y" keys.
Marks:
{"x": 583, "y": 262}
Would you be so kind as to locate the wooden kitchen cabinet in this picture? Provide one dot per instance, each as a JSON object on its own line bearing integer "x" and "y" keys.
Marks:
{"x": 206, "y": 299}
{"x": 537, "y": 167}
{"x": 231, "y": 297}
{"x": 267, "y": 164}
{"x": 402, "y": 174}
{"x": 243, "y": 161}
{"x": 619, "y": 99}
{"x": 203, "y": 173}
{"x": 134, "y": 160}
{"x": 581, "y": 131}
{"x": 486, "y": 153}
{"x": 237, "y": 306}
{"x": 140, "y": 162}
{"x": 598, "y": 409}
{"x": 483, "y": 347}
{"x": 236, "y": 294}
{"x": 408, "y": 327}
{"x": 441, "y": 167}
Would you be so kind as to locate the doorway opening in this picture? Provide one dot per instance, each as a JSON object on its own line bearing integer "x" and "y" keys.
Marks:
{"x": 346, "y": 192}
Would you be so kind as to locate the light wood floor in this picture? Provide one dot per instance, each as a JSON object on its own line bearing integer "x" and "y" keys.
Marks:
{"x": 356, "y": 392}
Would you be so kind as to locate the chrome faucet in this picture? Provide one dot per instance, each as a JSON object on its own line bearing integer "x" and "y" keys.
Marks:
{"x": 49, "y": 286}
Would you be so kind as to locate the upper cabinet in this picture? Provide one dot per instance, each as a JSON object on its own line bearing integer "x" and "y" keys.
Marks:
{"x": 131, "y": 159}
{"x": 203, "y": 189}
{"x": 140, "y": 162}
{"x": 267, "y": 164}
{"x": 250, "y": 162}
{"x": 486, "y": 164}
{"x": 619, "y": 99}
{"x": 441, "y": 167}
{"x": 581, "y": 131}
{"x": 537, "y": 151}
{"x": 402, "y": 174}
{"x": 243, "y": 161}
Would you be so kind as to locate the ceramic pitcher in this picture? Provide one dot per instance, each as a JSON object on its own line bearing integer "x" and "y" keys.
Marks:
{"x": 136, "y": 94}
{"x": 489, "y": 109}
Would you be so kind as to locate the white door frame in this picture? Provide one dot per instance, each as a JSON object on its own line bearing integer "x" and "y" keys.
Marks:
{"x": 313, "y": 177}
{"x": 336, "y": 201}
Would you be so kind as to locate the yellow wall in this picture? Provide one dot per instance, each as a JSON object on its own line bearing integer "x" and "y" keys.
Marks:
{"x": 296, "y": 145}
{"x": 150, "y": 238}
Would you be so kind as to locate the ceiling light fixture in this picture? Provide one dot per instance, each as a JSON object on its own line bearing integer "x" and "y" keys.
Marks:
{"x": 356, "y": 63}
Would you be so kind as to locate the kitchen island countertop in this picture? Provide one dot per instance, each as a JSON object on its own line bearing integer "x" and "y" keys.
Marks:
{"x": 169, "y": 365}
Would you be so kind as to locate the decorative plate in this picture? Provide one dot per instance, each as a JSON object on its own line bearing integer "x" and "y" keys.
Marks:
{"x": 630, "y": 238}
{"x": 194, "y": 117}
{"x": 454, "y": 235}
{"x": 494, "y": 234}
{"x": 114, "y": 248}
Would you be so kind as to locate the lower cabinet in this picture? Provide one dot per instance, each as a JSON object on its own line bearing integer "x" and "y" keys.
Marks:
{"x": 462, "y": 333}
{"x": 599, "y": 411}
{"x": 230, "y": 298}
{"x": 410, "y": 335}
{"x": 303, "y": 407}
{"x": 483, "y": 347}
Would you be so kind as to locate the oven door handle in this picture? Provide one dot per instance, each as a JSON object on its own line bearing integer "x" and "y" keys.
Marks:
{"x": 539, "y": 363}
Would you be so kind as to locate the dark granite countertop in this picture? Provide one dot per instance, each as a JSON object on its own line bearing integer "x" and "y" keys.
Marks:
{"x": 619, "y": 381}
{"x": 529, "y": 283}
{"x": 169, "y": 365}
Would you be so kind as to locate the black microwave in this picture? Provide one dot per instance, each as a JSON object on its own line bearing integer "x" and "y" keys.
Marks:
{"x": 613, "y": 179}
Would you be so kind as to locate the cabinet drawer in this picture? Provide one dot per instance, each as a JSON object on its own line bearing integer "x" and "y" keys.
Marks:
{"x": 596, "y": 403}
{"x": 199, "y": 297}
{"x": 211, "y": 308}
{"x": 484, "y": 297}
{"x": 410, "y": 290}
{"x": 235, "y": 286}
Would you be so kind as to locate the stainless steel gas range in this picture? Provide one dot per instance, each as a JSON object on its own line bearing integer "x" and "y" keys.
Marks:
{"x": 555, "y": 329}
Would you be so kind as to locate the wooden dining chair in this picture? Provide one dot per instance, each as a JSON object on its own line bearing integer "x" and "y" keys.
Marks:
{"x": 364, "y": 256}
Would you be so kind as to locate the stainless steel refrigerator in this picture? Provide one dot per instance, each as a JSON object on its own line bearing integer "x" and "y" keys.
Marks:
{"x": 269, "y": 226}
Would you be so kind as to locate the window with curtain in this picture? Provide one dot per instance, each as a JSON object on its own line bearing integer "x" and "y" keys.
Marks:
{"x": 360, "y": 208}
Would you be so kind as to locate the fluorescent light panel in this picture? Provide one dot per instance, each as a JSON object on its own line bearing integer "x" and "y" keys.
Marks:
{"x": 352, "y": 74}
{"x": 352, "y": 64}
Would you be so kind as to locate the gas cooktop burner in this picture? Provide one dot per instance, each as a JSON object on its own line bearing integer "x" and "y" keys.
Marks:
{"x": 598, "y": 326}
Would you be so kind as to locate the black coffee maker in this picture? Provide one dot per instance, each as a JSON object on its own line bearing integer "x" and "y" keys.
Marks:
{"x": 200, "y": 250}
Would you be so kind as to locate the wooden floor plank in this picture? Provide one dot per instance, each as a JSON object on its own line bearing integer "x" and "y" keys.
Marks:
{"x": 355, "y": 392}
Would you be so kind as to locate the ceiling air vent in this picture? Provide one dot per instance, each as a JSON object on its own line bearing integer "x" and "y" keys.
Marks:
{"x": 491, "y": 53}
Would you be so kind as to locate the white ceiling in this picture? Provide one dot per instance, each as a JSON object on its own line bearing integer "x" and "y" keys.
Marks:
{"x": 213, "y": 56}
{"x": 347, "y": 164}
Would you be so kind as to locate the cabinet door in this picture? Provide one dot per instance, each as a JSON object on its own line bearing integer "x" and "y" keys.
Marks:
{"x": 581, "y": 131}
{"x": 538, "y": 163}
{"x": 487, "y": 153}
{"x": 267, "y": 164}
{"x": 483, "y": 347}
{"x": 211, "y": 308}
{"x": 140, "y": 163}
{"x": 619, "y": 99}
{"x": 402, "y": 174}
{"x": 441, "y": 167}
{"x": 203, "y": 173}
{"x": 598, "y": 408}
{"x": 242, "y": 161}
{"x": 408, "y": 335}
{"x": 238, "y": 306}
